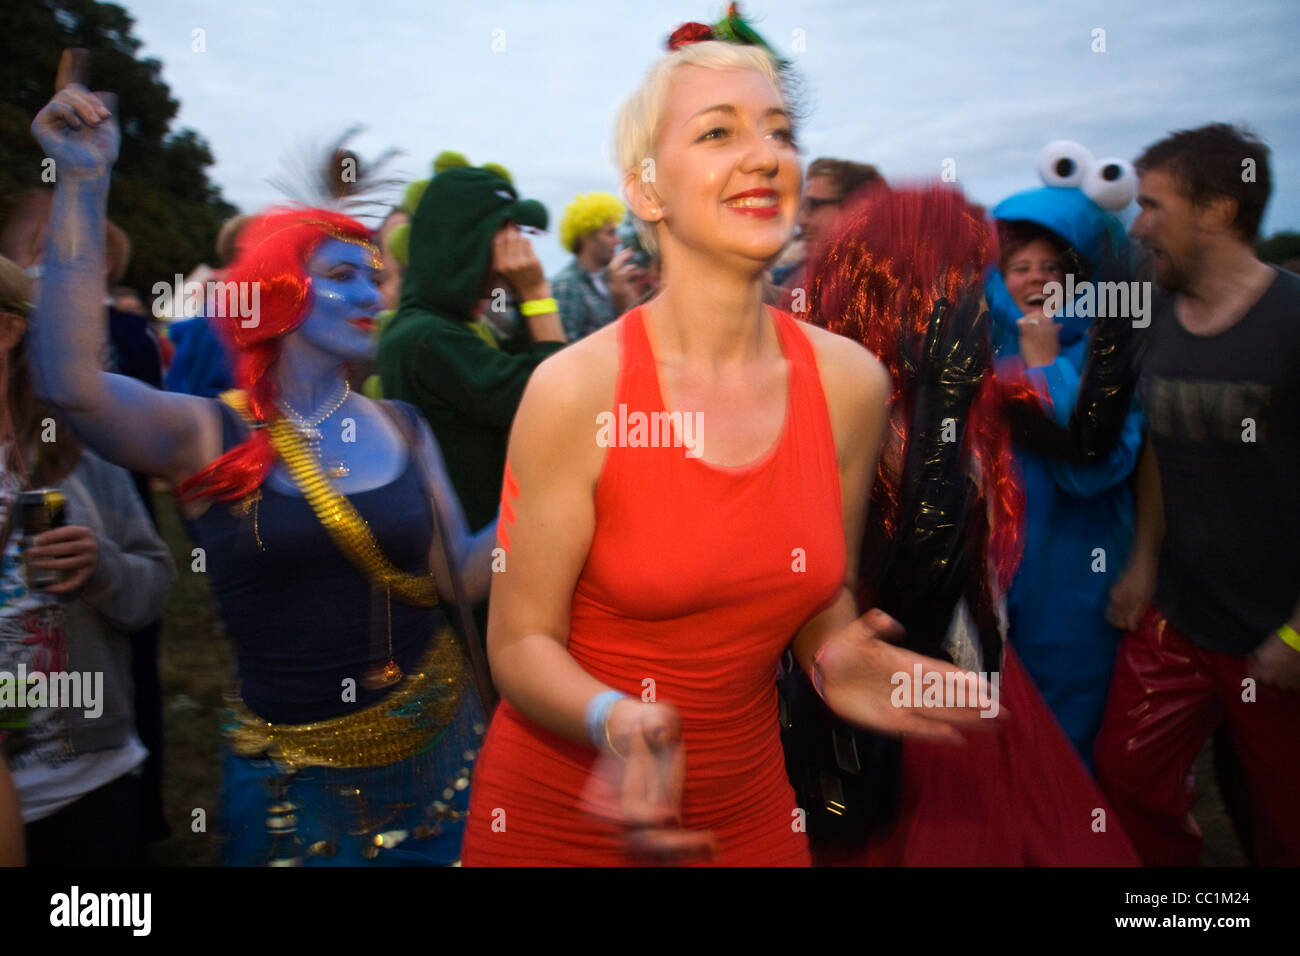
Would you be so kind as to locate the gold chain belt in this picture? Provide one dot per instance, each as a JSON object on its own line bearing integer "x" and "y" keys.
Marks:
{"x": 398, "y": 727}
{"x": 335, "y": 513}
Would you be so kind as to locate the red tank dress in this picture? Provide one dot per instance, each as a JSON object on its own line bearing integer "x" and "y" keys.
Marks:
{"x": 697, "y": 578}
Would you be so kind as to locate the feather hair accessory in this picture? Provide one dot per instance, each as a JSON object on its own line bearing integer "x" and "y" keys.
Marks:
{"x": 335, "y": 177}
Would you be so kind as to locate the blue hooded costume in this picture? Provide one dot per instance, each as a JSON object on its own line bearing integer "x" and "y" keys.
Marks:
{"x": 1078, "y": 518}
{"x": 201, "y": 366}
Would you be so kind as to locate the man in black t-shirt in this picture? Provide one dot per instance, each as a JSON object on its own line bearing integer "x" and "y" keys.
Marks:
{"x": 1211, "y": 596}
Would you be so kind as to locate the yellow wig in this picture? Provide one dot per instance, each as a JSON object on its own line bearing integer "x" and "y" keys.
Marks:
{"x": 587, "y": 213}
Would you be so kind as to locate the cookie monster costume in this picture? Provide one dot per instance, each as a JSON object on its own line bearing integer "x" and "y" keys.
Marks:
{"x": 1078, "y": 517}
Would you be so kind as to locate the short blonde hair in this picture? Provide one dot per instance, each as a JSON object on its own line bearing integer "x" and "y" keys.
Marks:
{"x": 642, "y": 113}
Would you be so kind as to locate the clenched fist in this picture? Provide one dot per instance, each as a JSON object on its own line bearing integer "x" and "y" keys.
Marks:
{"x": 77, "y": 130}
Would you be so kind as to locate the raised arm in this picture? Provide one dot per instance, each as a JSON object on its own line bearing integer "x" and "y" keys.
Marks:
{"x": 125, "y": 421}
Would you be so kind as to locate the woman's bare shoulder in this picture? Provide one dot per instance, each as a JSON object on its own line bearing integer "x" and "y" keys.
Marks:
{"x": 557, "y": 424}
{"x": 580, "y": 377}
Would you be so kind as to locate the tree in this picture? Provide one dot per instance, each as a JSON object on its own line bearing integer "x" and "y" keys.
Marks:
{"x": 1279, "y": 248}
{"x": 161, "y": 194}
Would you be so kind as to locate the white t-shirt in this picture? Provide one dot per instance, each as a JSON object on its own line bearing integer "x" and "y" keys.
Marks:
{"x": 44, "y": 791}
{"x": 48, "y": 774}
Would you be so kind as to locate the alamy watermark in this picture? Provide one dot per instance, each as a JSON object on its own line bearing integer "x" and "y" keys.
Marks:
{"x": 651, "y": 430}
{"x": 213, "y": 298}
{"x": 949, "y": 689}
{"x": 1099, "y": 300}
{"x": 74, "y": 908}
{"x": 75, "y": 690}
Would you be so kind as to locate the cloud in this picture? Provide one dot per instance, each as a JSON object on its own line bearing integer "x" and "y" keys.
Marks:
{"x": 535, "y": 86}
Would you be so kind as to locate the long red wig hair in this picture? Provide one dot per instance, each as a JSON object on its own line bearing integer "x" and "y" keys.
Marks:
{"x": 892, "y": 255}
{"x": 272, "y": 253}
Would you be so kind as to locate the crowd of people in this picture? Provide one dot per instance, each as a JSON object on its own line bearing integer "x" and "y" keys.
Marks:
{"x": 802, "y": 517}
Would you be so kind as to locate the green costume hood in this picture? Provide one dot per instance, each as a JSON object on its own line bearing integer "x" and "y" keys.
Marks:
{"x": 451, "y": 239}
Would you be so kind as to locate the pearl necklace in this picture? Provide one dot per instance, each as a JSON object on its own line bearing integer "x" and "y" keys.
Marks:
{"x": 309, "y": 428}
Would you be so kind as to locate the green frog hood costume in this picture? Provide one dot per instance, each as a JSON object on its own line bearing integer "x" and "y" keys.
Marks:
{"x": 451, "y": 239}
{"x": 436, "y": 355}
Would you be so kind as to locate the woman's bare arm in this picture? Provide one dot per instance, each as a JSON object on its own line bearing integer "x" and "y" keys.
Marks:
{"x": 554, "y": 462}
{"x": 126, "y": 421}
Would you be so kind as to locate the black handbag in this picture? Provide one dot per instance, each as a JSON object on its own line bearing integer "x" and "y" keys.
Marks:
{"x": 847, "y": 781}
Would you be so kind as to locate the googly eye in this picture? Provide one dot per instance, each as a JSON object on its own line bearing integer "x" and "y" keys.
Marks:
{"x": 1110, "y": 183}
{"x": 1064, "y": 162}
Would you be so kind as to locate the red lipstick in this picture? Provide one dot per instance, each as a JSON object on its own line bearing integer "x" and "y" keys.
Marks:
{"x": 760, "y": 203}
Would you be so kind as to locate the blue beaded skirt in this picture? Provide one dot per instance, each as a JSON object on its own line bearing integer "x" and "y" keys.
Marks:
{"x": 292, "y": 805}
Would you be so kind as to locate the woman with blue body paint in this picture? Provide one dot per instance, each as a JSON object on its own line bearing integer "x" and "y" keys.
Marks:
{"x": 1078, "y": 517}
{"x": 324, "y": 520}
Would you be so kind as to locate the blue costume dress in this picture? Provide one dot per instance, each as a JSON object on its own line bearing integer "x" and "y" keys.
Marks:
{"x": 320, "y": 768}
{"x": 1078, "y": 524}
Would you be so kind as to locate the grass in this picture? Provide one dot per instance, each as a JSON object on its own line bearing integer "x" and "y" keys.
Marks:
{"x": 197, "y": 667}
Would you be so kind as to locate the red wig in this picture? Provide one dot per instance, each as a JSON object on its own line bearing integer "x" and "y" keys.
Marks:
{"x": 272, "y": 255}
{"x": 892, "y": 255}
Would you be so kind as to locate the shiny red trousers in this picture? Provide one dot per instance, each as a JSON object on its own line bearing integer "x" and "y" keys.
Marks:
{"x": 1167, "y": 697}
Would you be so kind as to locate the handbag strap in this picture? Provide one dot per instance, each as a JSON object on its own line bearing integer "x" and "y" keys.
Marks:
{"x": 459, "y": 606}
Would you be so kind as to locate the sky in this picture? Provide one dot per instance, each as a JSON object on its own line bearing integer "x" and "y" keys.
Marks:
{"x": 535, "y": 84}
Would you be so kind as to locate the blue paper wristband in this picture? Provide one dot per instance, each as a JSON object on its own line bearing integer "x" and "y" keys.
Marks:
{"x": 598, "y": 709}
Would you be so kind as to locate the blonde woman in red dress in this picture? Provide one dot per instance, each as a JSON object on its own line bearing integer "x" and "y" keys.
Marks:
{"x": 658, "y": 565}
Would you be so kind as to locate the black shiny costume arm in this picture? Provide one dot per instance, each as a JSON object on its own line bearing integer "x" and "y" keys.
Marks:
{"x": 926, "y": 569}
